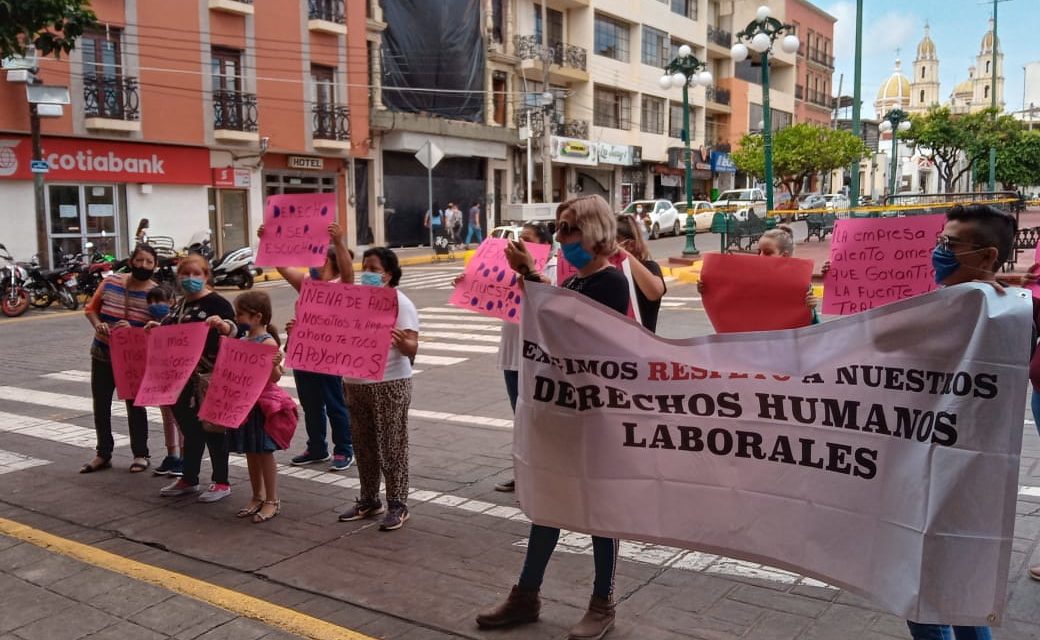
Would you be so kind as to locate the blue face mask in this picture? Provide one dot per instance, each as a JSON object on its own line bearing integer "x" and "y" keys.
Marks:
{"x": 945, "y": 263}
{"x": 192, "y": 285}
{"x": 370, "y": 279}
{"x": 315, "y": 273}
{"x": 576, "y": 254}
{"x": 159, "y": 310}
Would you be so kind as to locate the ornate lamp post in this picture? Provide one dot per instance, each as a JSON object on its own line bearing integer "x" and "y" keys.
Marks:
{"x": 895, "y": 121}
{"x": 681, "y": 72}
{"x": 759, "y": 35}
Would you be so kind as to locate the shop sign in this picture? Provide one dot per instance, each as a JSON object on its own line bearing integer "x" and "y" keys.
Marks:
{"x": 310, "y": 163}
{"x": 573, "y": 151}
{"x": 721, "y": 162}
{"x": 614, "y": 154}
{"x": 230, "y": 177}
{"x": 79, "y": 159}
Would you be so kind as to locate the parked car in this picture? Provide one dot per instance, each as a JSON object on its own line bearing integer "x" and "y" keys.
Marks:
{"x": 703, "y": 213}
{"x": 658, "y": 216}
{"x": 812, "y": 201}
{"x": 836, "y": 201}
{"x": 740, "y": 201}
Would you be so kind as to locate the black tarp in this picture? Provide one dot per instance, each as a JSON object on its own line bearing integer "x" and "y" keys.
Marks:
{"x": 434, "y": 44}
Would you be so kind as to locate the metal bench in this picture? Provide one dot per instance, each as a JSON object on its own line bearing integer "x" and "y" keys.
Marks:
{"x": 819, "y": 225}
{"x": 1025, "y": 240}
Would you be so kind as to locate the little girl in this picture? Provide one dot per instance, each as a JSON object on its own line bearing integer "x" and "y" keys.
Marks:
{"x": 159, "y": 300}
{"x": 253, "y": 315}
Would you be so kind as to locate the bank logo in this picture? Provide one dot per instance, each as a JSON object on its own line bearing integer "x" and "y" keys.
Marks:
{"x": 8, "y": 159}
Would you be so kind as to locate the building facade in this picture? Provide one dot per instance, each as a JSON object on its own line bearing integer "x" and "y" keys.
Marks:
{"x": 814, "y": 65}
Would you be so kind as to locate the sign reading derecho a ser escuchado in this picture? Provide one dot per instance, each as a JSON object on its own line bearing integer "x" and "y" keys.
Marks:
{"x": 878, "y": 452}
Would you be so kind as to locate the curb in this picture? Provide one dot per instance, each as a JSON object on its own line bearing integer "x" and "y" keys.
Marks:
{"x": 410, "y": 261}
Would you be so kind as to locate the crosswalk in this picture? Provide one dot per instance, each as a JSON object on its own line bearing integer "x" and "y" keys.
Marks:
{"x": 438, "y": 278}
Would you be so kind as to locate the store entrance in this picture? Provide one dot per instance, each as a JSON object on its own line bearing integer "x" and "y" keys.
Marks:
{"x": 83, "y": 213}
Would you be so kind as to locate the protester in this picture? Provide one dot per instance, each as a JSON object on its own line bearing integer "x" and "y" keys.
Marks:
{"x": 321, "y": 394}
{"x": 159, "y": 300}
{"x": 646, "y": 273}
{"x": 379, "y": 410}
{"x": 587, "y": 232}
{"x": 253, "y": 315}
{"x": 120, "y": 301}
{"x": 474, "y": 224}
{"x": 199, "y": 304}
{"x": 436, "y": 218}
{"x": 454, "y": 223}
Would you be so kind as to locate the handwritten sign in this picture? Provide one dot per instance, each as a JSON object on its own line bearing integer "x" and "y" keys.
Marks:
{"x": 239, "y": 375}
{"x": 342, "y": 329}
{"x": 129, "y": 349}
{"x": 755, "y": 293}
{"x": 173, "y": 352}
{"x": 489, "y": 286}
{"x": 296, "y": 230}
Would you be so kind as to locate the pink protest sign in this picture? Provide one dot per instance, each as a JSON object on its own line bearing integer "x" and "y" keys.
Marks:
{"x": 342, "y": 329}
{"x": 489, "y": 286}
{"x": 239, "y": 375}
{"x": 173, "y": 352}
{"x": 1035, "y": 287}
{"x": 875, "y": 261}
{"x": 296, "y": 230}
{"x": 129, "y": 349}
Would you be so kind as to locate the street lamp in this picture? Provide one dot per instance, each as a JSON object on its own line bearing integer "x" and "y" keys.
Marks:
{"x": 758, "y": 36}
{"x": 683, "y": 70}
{"x": 894, "y": 121}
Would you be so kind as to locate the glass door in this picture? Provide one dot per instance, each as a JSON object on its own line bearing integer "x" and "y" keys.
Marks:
{"x": 229, "y": 219}
{"x": 83, "y": 213}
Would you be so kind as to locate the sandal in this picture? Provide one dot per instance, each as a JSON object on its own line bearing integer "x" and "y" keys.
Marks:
{"x": 259, "y": 517}
{"x": 90, "y": 467}
{"x": 137, "y": 466}
{"x": 255, "y": 505}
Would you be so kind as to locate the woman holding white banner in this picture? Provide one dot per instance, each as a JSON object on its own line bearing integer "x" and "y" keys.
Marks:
{"x": 646, "y": 273}
{"x": 587, "y": 232}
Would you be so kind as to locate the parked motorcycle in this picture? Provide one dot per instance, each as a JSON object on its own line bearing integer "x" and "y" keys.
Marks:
{"x": 234, "y": 269}
{"x": 14, "y": 298}
{"x": 46, "y": 287}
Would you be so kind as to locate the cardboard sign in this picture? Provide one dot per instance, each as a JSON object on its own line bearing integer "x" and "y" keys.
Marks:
{"x": 489, "y": 286}
{"x": 875, "y": 261}
{"x": 239, "y": 375}
{"x": 342, "y": 329}
{"x": 296, "y": 230}
{"x": 128, "y": 347}
{"x": 173, "y": 352}
{"x": 755, "y": 293}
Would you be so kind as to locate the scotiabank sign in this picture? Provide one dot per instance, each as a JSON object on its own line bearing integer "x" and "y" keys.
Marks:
{"x": 76, "y": 159}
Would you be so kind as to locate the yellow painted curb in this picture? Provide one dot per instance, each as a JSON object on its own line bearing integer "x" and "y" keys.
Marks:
{"x": 247, "y": 606}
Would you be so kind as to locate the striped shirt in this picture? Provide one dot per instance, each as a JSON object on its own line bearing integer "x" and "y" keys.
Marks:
{"x": 114, "y": 302}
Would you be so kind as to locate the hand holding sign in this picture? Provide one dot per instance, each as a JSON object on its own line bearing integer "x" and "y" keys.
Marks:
{"x": 129, "y": 349}
{"x": 296, "y": 230}
{"x": 755, "y": 293}
{"x": 173, "y": 352}
{"x": 489, "y": 286}
{"x": 239, "y": 375}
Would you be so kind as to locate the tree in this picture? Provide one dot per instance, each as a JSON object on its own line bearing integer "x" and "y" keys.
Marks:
{"x": 799, "y": 152}
{"x": 1018, "y": 161}
{"x": 51, "y": 26}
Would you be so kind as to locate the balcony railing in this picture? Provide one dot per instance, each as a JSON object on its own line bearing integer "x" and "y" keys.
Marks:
{"x": 331, "y": 122}
{"x": 558, "y": 126}
{"x": 717, "y": 95}
{"x": 720, "y": 37}
{"x": 234, "y": 111}
{"x": 114, "y": 98}
{"x": 819, "y": 98}
{"x": 820, "y": 57}
{"x": 329, "y": 10}
{"x": 564, "y": 55}
{"x": 799, "y": 92}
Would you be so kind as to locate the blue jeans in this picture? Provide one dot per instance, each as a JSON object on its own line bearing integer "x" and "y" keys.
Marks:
{"x": 512, "y": 386}
{"x": 1035, "y": 405}
{"x": 474, "y": 229}
{"x": 540, "y": 547}
{"x": 321, "y": 394}
{"x": 946, "y": 632}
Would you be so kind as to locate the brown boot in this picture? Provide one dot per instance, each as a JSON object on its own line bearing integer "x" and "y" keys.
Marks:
{"x": 521, "y": 607}
{"x": 598, "y": 620}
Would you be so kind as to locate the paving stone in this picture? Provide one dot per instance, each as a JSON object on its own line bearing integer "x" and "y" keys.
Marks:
{"x": 181, "y": 617}
{"x": 23, "y": 603}
{"x": 736, "y": 612}
{"x": 770, "y": 599}
{"x": 775, "y": 625}
{"x": 130, "y": 598}
{"x": 127, "y": 631}
{"x": 70, "y": 623}
{"x": 237, "y": 629}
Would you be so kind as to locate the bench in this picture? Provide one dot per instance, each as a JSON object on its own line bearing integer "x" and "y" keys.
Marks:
{"x": 740, "y": 235}
{"x": 1025, "y": 240}
{"x": 819, "y": 225}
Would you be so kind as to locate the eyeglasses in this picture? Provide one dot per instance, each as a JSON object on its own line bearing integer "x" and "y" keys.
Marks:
{"x": 566, "y": 228}
{"x": 946, "y": 242}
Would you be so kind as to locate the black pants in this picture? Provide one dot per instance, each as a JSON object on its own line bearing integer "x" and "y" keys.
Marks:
{"x": 197, "y": 440}
{"x": 102, "y": 388}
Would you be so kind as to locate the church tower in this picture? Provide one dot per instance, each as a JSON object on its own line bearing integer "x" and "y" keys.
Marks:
{"x": 986, "y": 77}
{"x": 924, "y": 83}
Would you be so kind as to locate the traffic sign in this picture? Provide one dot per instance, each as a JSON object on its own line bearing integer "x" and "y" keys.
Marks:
{"x": 429, "y": 155}
{"x": 39, "y": 166}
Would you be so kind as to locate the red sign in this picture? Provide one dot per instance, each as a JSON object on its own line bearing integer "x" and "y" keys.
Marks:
{"x": 231, "y": 177}
{"x": 105, "y": 161}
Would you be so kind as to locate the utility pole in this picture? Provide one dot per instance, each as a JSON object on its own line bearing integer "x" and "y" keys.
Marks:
{"x": 43, "y": 248}
{"x": 547, "y": 110}
{"x": 993, "y": 99}
{"x": 857, "y": 81}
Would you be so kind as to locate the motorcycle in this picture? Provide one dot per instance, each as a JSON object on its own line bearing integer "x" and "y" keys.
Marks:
{"x": 14, "y": 298}
{"x": 235, "y": 269}
{"x": 50, "y": 286}
{"x": 93, "y": 272}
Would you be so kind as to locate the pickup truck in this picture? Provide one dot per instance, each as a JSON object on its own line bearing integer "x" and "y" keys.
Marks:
{"x": 740, "y": 201}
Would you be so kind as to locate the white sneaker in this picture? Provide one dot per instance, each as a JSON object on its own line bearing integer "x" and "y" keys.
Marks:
{"x": 178, "y": 488}
{"x": 215, "y": 492}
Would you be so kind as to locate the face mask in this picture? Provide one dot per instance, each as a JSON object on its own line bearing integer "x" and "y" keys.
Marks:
{"x": 370, "y": 279}
{"x": 141, "y": 274}
{"x": 576, "y": 254}
{"x": 192, "y": 285}
{"x": 945, "y": 263}
{"x": 315, "y": 273}
{"x": 159, "y": 310}
{"x": 244, "y": 327}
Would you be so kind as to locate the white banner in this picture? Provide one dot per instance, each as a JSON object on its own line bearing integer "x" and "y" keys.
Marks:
{"x": 877, "y": 452}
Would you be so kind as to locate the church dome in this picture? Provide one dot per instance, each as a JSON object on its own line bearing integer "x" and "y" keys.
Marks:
{"x": 926, "y": 47}
{"x": 963, "y": 88}
{"x": 987, "y": 40}
{"x": 897, "y": 86}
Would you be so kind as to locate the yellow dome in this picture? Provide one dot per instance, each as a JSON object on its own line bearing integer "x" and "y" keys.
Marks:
{"x": 987, "y": 40}
{"x": 965, "y": 87}
{"x": 926, "y": 48}
{"x": 896, "y": 86}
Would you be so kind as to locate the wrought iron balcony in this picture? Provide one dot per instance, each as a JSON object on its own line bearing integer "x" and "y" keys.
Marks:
{"x": 820, "y": 57}
{"x": 558, "y": 126}
{"x": 819, "y": 98}
{"x": 329, "y": 10}
{"x": 331, "y": 122}
{"x": 717, "y": 95}
{"x": 113, "y": 98}
{"x": 720, "y": 37}
{"x": 799, "y": 91}
{"x": 234, "y": 111}
{"x": 564, "y": 55}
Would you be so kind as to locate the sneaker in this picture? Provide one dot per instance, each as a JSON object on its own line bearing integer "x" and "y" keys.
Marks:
{"x": 341, "y": 463}
{"x": 396, "y": 515}
{"x": 362, "y": 509}
{"x": 178, "y": 488}
{"x": 507, "y": 486}
{"x": 176, "y": 468}
{"x": 307, "y": 458}
{"x": 167, "y": 464}
{"x": 215, "y": 492}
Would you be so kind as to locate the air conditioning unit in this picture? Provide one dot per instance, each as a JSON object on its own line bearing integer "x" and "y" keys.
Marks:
{"x": 19, "y": 75}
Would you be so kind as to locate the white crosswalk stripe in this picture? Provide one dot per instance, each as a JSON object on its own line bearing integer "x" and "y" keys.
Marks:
{"x": 438, "y": 278}
{"x": 11, "y": 461}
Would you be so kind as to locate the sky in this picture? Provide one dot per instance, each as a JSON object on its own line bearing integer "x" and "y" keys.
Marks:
{"x": 957, "y": 27}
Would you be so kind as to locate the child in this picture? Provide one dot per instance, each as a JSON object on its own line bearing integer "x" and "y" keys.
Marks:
{"x": 159, "y": 300}
{"x": 253, "y": 315}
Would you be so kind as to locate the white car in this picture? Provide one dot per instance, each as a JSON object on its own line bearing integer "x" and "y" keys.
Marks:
{"x": 740, "y": 201}
{"x": 509, "y": 232}
{"x": 703, "y": 214}
{"x": 835, "y": 201}
{"x": 659, "y": 216}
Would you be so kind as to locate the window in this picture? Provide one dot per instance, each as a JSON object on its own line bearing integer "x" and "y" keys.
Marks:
{"x": 497, "y": 19}
{"x": 499, "y": 88}
{"x": 922, "y": 96}
{"x": 652, "y": 115}
{"x": 922, "y": 72}
{"x": 780, "y": 119}
{"x": 102, "y": 73}
{"x": 611, "y": 38}
{"x": 612, "y": 108}
{"x": 675, "y": 120}
{"x": 226, "y": 70}
{"x": 985, "y": 91}
{"x": 673, "y": 48}
{"x": 655, "y": 47}
{"x": 323, "y": 85}
{"x": 555, "y": 25}
{"x": 687, "y": 8}
{"x": 987, "y": 66}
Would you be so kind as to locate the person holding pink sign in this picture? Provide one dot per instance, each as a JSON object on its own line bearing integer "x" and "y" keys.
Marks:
{"x": 646, "y": 274}
{"x": 379, "y": 410}
{"x": 159, "y": 300}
